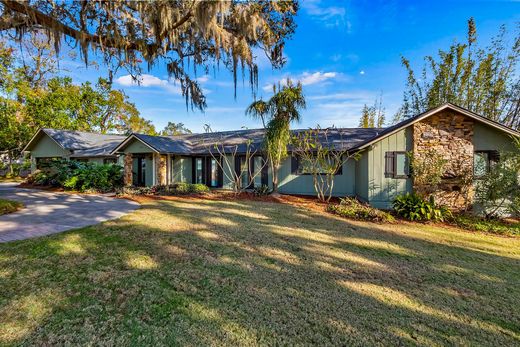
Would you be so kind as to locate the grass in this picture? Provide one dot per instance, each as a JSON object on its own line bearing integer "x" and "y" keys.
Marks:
{"x": 201, "y": 272}
{"x": 9, "y": 206}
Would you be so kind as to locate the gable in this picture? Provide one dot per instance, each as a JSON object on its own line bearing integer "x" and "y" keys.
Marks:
{"x": 133, "y": 144}
{"x": 42, "y": 145}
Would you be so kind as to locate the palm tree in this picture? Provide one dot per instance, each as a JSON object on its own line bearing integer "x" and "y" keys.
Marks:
{"x": 276, "y": 115}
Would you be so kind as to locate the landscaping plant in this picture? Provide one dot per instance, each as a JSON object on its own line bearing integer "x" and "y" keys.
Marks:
{"x": 354, "y": 209}
{"x": 415, "y": 208}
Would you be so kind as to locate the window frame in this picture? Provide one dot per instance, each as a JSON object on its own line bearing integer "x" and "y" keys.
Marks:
{"x": 391, "y": 172}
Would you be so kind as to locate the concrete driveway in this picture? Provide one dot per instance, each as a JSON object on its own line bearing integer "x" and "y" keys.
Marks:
{"x": 48, "y": 213}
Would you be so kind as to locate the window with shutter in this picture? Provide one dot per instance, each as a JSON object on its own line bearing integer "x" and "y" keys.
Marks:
{"x": 397, "y": 164}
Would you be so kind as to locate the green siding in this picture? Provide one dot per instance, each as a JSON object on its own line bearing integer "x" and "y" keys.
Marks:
{"x": 136, "y": 146}
{"x": 46, "y": 148}
{"x": 488, "y": 138}
{"x": 382, "y": 190}
{"x": 362, "y": 176}
{"x": 344, "y": 184}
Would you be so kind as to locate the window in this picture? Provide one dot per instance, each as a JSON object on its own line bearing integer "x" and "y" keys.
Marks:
{"x": 109, "y": 161}
{"x": 213, "y": 173}
{"x": 81, "y": 160}
{"x": 483, "y": 161}
{"x": 397, "y": 165}
{"x": 44, "y": 163}
{"x": 257, "y": 168}
{"x": 199, "y": 176}
{"x": 300, "y": 167}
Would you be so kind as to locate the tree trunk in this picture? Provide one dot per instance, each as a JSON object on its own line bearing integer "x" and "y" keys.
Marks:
{"x": 275, "y": 178}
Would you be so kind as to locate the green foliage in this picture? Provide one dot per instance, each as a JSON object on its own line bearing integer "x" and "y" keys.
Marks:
{"x": 73, "y": 175}
{"x": 9, "y": 206}
{"x": 483, "y": 80}
{"x": 277, "y": 114}
{"x": 172, "y": 189}
{"x": 427, "y": 170}
{"x": 498, "y": 191}
{"x": 373, "y": 116}
{"x": 319, "y": 157}
{"x": 413, "y": 207}
{"x": 262, "y": 190}
{"x": 494, "y": 226}
{"x": 354, "y": 209}
{"x": 175, "y": 129}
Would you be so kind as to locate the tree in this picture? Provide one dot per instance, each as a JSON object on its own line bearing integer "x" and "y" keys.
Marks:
{"x": 175, "y": 129}
{"x": 277, "y": 114}
{"x": 482, "y": 80}
{"x": 227, "y": 156}
{"x": 498, "y": 191}
{"x": 319, "y": 157}
{"x": 373, "y": 116}
{"x": 183, "y": 35}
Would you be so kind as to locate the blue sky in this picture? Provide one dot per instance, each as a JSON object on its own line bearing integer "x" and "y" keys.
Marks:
{"x": 345, "y": 53}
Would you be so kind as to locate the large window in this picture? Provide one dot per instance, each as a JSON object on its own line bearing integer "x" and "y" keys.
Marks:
{"x": 483, "y": 161}
{"x": 257, "y": 169}
{"x": 397, "y": 165}
{"x": 109, "y": 161}
{"x": 199, "y": 172}
{"x": 206, "y": 170}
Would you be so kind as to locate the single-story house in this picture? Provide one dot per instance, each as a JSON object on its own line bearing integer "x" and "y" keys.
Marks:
{"x": 377, "y": 177}
{"x": 48, "y": 144}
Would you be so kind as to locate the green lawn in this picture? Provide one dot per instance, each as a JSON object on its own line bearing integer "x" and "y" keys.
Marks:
{"x": 9, "y": 206}
{"x": 196, "y": 272}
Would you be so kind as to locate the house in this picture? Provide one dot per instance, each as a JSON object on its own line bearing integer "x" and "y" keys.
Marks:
{"x": 48, "y": 144}
{"x": 466, "y": 140}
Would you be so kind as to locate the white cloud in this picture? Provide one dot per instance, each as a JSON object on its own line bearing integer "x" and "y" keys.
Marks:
{"x": 362, "y": 72}
{"x": 147, "y": 81}
{"x": 306, "y": 79}
{"x": 330, "y": 16}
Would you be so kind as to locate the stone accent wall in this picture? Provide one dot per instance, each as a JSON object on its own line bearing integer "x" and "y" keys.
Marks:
{"x": 449, "y": 134}
{"x": 160, "y": 168}
{"x": 128, "y": 166}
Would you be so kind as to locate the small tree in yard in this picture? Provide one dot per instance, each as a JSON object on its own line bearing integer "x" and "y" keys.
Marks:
{"x": 427, "y": 171}
{"x": 319, "y": 157}
{"x": 498, "y": 191}
{"x": 277, "y": 114}
{"x": 226, "y": 157}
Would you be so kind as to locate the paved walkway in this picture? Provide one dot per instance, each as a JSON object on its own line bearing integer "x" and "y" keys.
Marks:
{"x": 48, "y": 213}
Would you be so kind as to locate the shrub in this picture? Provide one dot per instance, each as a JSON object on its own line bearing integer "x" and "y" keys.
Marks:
{"x": 354, "y": 209}
{"x": 262, "y": 190}
{"x": 413, "y": 207}
{"x": 172, "y": 189}
{"x": 74, "y": 175}
{"x": 476, "y": 223}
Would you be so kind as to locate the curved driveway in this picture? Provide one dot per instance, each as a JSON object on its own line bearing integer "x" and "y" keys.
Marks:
{"x": 48, "y": 213}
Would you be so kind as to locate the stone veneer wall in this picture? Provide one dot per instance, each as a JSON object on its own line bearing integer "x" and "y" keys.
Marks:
{"x": 128, "y": 166}
{"x": 450, "y": 134}
{"x": 160, "y": 168}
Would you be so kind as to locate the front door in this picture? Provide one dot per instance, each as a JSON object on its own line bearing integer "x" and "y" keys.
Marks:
{"x": 141, "y": 172}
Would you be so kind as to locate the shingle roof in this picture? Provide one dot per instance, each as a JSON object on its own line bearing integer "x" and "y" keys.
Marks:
{"x": 193, "y": 144}
{"x": 84, "y": 144}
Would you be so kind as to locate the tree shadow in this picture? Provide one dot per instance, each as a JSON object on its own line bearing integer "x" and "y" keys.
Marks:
{"x": 208, "y": 272}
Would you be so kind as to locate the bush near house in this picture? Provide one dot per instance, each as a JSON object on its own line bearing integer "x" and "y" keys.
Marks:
{"x": 415, "y": 208}
{"x": 494, "y": 226}
{"x": 354, "y": 209}
{"x": 172, "y": 189}
{"x": 73, "y": 175}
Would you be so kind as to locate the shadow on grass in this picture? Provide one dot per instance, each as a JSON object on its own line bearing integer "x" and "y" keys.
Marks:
{"x": 241, "y": 272}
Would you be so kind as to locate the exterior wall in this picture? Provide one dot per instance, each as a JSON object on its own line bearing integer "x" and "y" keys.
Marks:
{"x": 160, "y": 169}
{"x": 487, "y": 138}
{"x": 362, "y": 177}
{"x": 382, "y": 190}
{"x": 136, "y": 146}
{"x": 450, "y": 135}
{"x": 128, "y": 170}
{"x": 344, "y": 184}
{"x": 46, "y": 148}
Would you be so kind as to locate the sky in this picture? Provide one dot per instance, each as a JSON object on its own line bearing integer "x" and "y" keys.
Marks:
{"x": 345, "y": 53}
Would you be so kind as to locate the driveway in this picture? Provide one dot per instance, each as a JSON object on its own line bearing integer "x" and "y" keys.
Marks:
{"x": 48, "y": 213}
